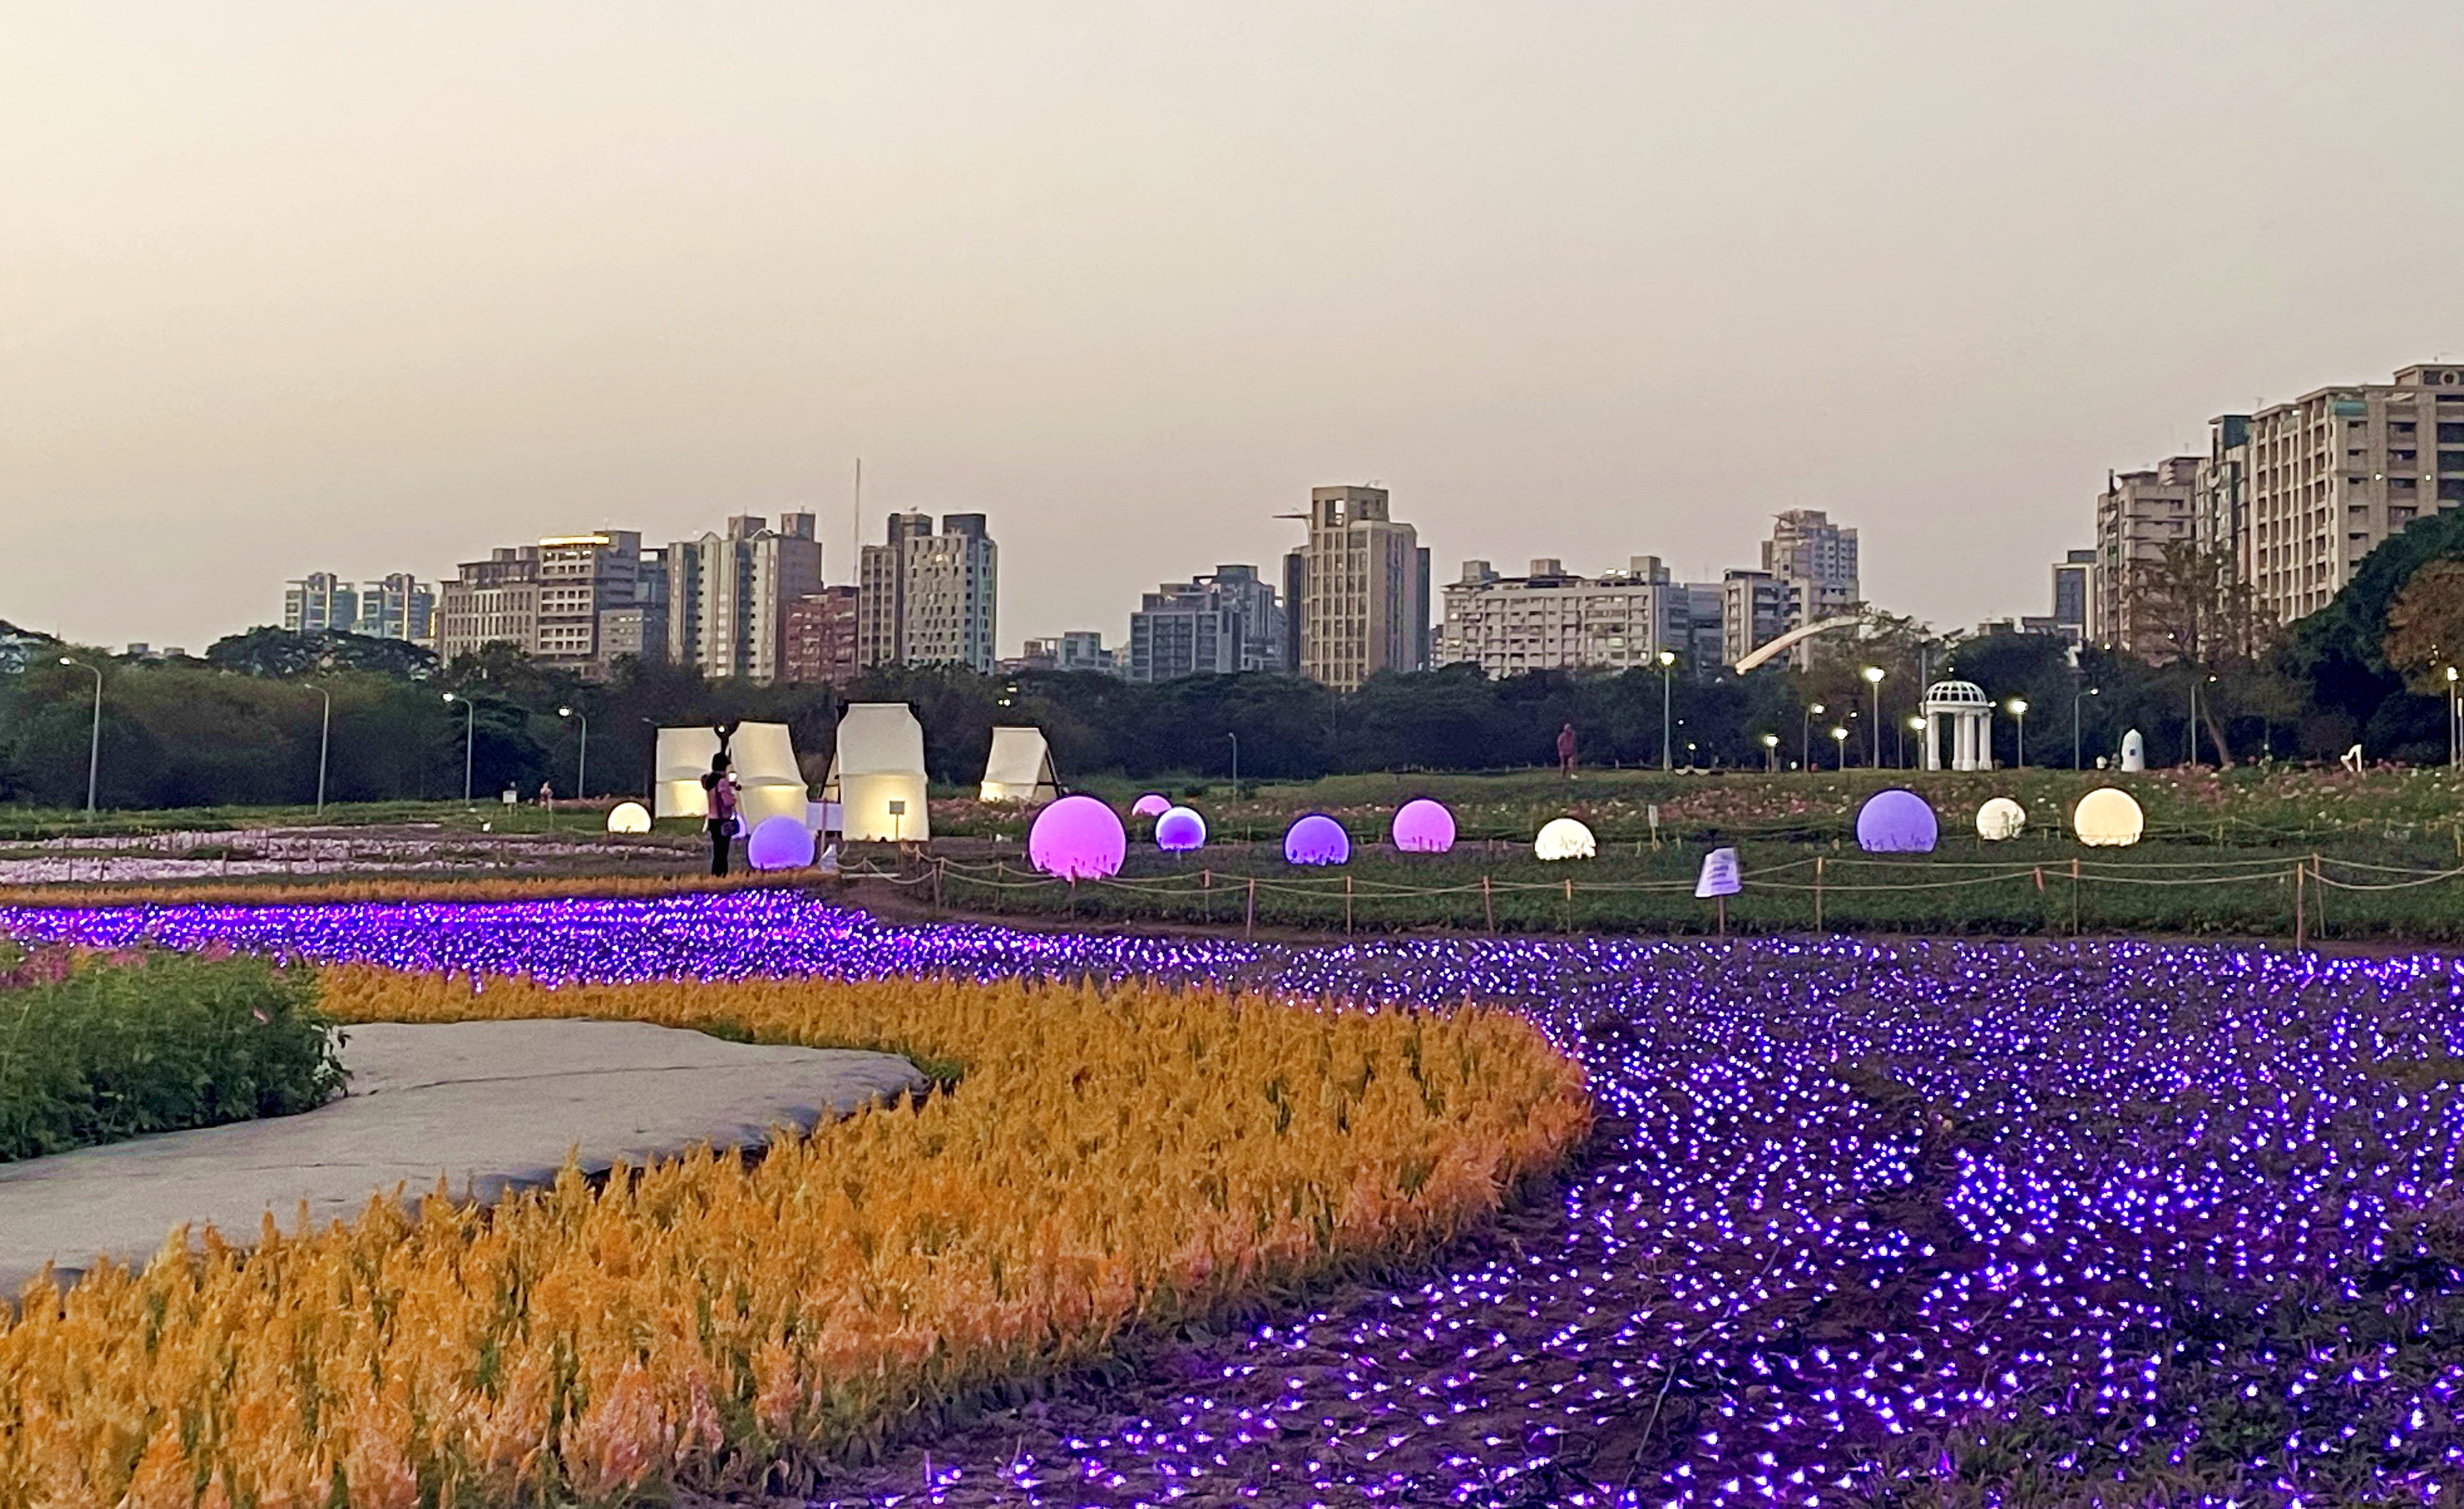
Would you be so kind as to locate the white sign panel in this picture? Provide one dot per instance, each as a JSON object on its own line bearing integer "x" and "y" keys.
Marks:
{"x": 1720, "y": 876}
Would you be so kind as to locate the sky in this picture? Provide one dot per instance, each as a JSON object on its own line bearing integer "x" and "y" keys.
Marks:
{"x": 297, "y": 287}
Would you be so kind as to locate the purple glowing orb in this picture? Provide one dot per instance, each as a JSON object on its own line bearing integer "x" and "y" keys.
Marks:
{"x": 1316, "y": 839}
{"x": 780, "y": 843}
{"x": 1179, "y": 830}
{"x": 1077, "y": 839}
{"x": 1155, "y": 803}
{"x": 1423, "y": 827}
{"x": 1895, "y": 822}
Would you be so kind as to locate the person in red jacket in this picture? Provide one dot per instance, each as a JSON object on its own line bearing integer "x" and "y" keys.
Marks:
{"x": 719, "y": 801}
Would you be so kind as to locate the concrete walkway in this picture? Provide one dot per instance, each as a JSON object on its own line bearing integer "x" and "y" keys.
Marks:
{"x": 492, "y": 1107}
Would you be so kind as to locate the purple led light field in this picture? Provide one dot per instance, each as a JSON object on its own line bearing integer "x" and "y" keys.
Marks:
{"x": 1862, "y": 1219}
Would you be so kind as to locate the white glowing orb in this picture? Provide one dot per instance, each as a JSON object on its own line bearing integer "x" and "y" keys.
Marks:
{"x": 2000, "y": 818}
{"x": 1564, "y": 838}
{"x": 780, "y": 843}
{"x": 2108, "y": 819}
{"x": 628, "y": 817}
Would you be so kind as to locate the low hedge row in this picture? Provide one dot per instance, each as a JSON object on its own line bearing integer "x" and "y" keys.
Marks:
{"x": 95, "y": 1048}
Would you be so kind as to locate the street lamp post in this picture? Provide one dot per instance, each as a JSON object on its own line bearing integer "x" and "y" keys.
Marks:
{"x": 1873, "y": 674}
{"x": 2019, "y": 710}
{"x": 1771, "y": 752}
{"x": 1916, "y": 727}
{"x": 2455, "y": 719}
{"x": 582, "y": 760}
{"x": 94, "y": 738}
{"x": 1236, "y": 765}
{"x": 470, "y": 738}
{"x": 324, "y": 743}
{"x": 1840, "y": 742}
{"x": 1805, "y": 736}
{"x": 1667, "y": 662}
{"x": 2075, "y": 721}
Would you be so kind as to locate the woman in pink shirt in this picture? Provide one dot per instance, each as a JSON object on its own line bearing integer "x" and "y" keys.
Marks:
{"x": 719, "y": 801}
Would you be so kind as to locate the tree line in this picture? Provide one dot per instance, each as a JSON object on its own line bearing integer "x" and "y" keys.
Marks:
{"x": 243, "y": 724}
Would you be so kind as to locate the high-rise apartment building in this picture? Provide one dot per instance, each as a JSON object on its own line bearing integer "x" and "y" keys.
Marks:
{"x": 320, "y": 600}
{"x": 1755, "y": 608}
{"x": 2137, "y": 515}
{"x": 639, "y": 630}
{"x": 398, "y": 607}
{"x": 1806, "y": 547}
{"x": 581, "y": 579}
{"x": 821, "y": 641}
{"x": 1072, "y": 650}
{"x": 728, "y": 594}
{"x": 928, "y": 599}
{"x": 1217, "y": 625}
{"x": 494, "y": 601}
{"x": 1552, "y": 619}
{"x": 2334, "y": 473}
{"x": 1363, "y": 605}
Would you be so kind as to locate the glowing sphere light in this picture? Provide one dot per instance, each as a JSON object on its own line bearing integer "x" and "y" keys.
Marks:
{"x": 1077, "y": 839}
{"x": 780, "y": 843}
{"x": 2108, "y": 819}
{"x": 2000, "y": 818}
{"x": 1316, "y": 839}
{"x": 1423, "y": 827}
{"x": 628, "y": 817}
{"x": 1564, "y": 838}
{"x": 1895, "y": 822}
{"x": 1155, "y": 803}
{"x": 1179, "y": 830}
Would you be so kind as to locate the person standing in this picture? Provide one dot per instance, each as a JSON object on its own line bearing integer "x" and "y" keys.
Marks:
{"x": 719, "y": 802}
{"x": 1566, "y": 751}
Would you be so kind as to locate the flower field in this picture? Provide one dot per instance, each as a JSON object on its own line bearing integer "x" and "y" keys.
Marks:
{"x": 1130, "y": 1155}
{"x": 1912, "y": 1223}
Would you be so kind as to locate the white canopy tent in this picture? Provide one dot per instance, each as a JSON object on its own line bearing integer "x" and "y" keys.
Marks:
{"x": 1020, "y": 768}
{"x": 877, "y": 774}
{"x": 762, "y": 756}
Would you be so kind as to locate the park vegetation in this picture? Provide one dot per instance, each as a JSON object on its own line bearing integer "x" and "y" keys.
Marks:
{"x": 95, "y": 1048}
{"x": 1096, "y": 1160}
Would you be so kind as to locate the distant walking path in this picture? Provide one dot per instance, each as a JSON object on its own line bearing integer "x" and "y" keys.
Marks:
{"x": 491, "y": 1106}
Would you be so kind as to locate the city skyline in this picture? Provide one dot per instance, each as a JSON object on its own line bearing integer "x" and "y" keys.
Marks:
{"x": 370, "y": 291}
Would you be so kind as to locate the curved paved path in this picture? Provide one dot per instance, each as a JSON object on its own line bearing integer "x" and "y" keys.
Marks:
{"x": 491, "y": 1106}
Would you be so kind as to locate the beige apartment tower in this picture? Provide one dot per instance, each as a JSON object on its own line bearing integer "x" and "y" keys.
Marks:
{"x": 2137, "y": 515}
{"x": 1363, "y": 601}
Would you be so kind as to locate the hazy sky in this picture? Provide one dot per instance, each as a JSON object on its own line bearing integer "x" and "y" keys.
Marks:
{"x": 298, "y": 287}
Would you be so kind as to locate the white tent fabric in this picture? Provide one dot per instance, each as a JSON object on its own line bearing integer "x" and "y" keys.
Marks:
{"x": 877, "y": 774}
{"x": 762, "y": 756}
{"x": 1020, "y": 768}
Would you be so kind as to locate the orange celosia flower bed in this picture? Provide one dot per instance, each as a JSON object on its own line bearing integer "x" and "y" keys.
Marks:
{"x": 1113, "y": 1155}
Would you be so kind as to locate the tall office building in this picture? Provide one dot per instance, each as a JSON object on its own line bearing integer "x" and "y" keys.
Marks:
{"x": 398, "y": 607}
{"x": 494, "y": 601}
{"x": 728, "y": 594}
{"x": 2137, "y": 515}
{"x": 1552, "y": 619}
{"x": 319, "y": 601}
{"x": 564, "y": 602}
{"x": 1363, "y": 605}
{"x": 1216, "y": 625}
{"x": 928, "y": 599}
{"x": 2074, "y": 577}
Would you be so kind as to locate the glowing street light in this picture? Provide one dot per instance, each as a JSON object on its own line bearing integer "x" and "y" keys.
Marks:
{"x": 1771, "y": 752}
{"x": 1917, "y": 726}
{"x": 1873, "y": 674}
{"x": 1840, "y": 739}
{"x": 1805, "y": 736}
{"x": 2455, "y": 719}
{"x": 93, "y": 740}
{"x": 2018, "y": 706}
{"x": 2092, "y": 691}
{"x": 581, "y": 762}
{"x": 1668, "y": 663}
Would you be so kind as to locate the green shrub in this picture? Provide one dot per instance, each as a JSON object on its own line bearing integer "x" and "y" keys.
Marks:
{"x": 95, "y": 1048}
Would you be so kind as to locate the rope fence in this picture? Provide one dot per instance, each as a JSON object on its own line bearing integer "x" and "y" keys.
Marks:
{"x": 2282, "y": 897}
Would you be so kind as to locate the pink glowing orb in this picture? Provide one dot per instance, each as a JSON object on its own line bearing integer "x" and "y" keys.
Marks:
{"x": 1077, "y": 839}
{"x": 1423, "y": 827}
{"x": 1179, "y": 830}
{"x": 1155, "y": 803}
{"x": 780, "y": 843}
{"x": 1316, "y": 839}
{"x": 1895, "y": 822}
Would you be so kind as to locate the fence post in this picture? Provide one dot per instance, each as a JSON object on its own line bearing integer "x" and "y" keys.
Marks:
{"x": 2075, "y": 888}
{"x": 1249, "y": 919}
{"x": 1818, "y": 893}
{"x": 1488, "y": 904}
{"x": 2318, "y": 908}
{"x": 1570, "y": 904}
{"x": 1206, "y": 900}
{"x": 938, "y": 866}
{"x": 1347, "y": 906}
{"x": 2301, "y": 932}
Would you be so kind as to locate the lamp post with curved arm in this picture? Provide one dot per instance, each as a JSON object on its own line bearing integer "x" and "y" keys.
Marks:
{"x": 1873, "y": 674}
{"x": 469, "y": 738}
{"x": 2075, "y": 721}
{"x": 94, "y": 738}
